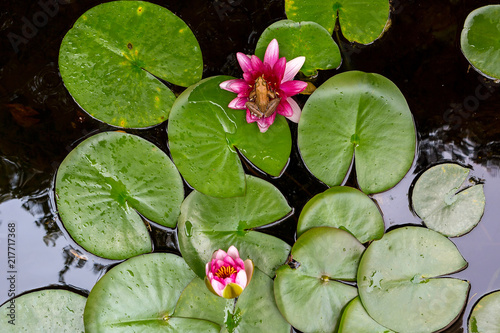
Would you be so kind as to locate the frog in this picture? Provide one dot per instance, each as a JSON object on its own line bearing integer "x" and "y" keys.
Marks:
{"x": 262, "y": 101}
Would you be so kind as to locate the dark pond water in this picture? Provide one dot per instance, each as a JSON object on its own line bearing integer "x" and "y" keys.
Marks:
{"x": 455, "y": 110}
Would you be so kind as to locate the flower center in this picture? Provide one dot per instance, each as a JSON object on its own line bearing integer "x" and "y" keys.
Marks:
{"x": 225, "y": 272}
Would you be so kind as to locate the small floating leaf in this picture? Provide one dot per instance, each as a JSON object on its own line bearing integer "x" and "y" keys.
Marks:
{"x": 398, "y": 280}
{"x": 309, "y": 296}
{"x": 256, "y": 306}
{"x": 355, "y": 319}
{"x": 361, "y": 21}
{"x": 205, "y": 137}
{"x": 362, "y": 115}
{"x": 437, "y": 199}
{"x": 111, "y": 58}
{"x": 307, "y": 39}
{"x": 346, "y": 208}
{"x": 485, "y": 317}
{"x": 207, "y": 224}
{"x": 479, "y": 40}
{"x": 104, "y": 186}
{"x": 143, "y": 301}
{"x": 51, "y": 310}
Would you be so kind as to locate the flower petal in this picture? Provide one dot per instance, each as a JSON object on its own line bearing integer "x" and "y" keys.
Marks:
{"x": 295, "y": 117}
{"x": 219, "y": 254}
{"x": 279, "y": 69}
{"x": 264, "y": 123}
{"x": 249, "y": 269}
{"x": 207, "y": 269}
{"x": 237, "y": 85}
{"x": 218, "y": 287}
{"x": 241, "y": 279}
{"x": 272, "y": 53}
{"x": 251, "y": 117}
{"x": 284, "y": 108}
{"x": 257, "y": 64}
{"x": 244, "y": 61}
{"x": 229, "y": 261}
{"x": 291, "y": 88}
{"x": 238, "y": 103}
{"x": 232, "y": 290}
{"x": 292, "y": 68}
{"x": 233, "y": 252}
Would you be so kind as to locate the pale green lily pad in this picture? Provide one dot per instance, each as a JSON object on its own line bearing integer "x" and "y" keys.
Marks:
{"x": 480, "y": 40}
{"x": 307, "y": 39}
{"x": 485, "y": 317}
{"x": 355, "y": 319}
{"x": 438, "y": 201}
{"x": 111, "y": 58}
{"x": 51, "y": 310}
{"x": 361, "y": 21}
{"x": 140, "y": 295}
{"x": 344, "y": 208}
{"x": 310, "y": 297}
{"x": 207, "y": 224}
{"x": 256, "y": 306}
{"x": 205, "y": 137}
{"x": 399, "y": 284}
{"x": 362, "y": 115}
{"x": 104, "y": 186}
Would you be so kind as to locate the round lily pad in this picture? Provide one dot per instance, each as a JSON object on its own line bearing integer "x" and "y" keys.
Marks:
{"x": 485, "y": 316}
{"x": 344, "y": 208}
{"x": 111, "y": 59}
{"x": 104, "y": 186}
{"x": 399, "y": 284}
{"x": 51, "y": 310}
{"x": 355, "y": 319}
{"x": 207, "y": 224}
{"x": 310, "y": 297}
{"x": 255, "y": 308}
{"x": 206, "y": 136}
{"x": 307, "y": 39}
{"x": 438, "y": 201}
{"x": 140, "y": 295}
{"x": 361, "y": 21}
{"x": 362, "y": 115}
{"x": 480, "y": 40}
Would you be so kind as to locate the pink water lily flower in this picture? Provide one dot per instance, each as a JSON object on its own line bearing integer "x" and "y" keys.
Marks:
{"x": 267, "y": 87}
{"x": 227, "y": 274}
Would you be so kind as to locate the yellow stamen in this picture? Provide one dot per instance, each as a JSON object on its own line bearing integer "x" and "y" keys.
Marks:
{"x": 225, "y": 272}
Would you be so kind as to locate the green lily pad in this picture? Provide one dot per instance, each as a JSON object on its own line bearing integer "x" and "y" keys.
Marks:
{"x": 51, "y": 310}
{"x": 256, "y": 306}
{"x": 207, "y": 224}
{"x": 485, "y": 317}
{"x": 307, "y": 39}
{"x": 310, "y": 296}
{"x": 110, "y": 61}
{"x": 361, "y": 21}
{"x": 480, "y": 40}
{"x": 344, "y": 208}
{"x": 362, "y": 115}
{"x": 205, "y": 137}
{"x": 104, "y": 186}
{"x": 140, "y": 295}
{"x": 355, "y": 319}
{"x": 438, "y": 202}
{"x": 398, "y": 280}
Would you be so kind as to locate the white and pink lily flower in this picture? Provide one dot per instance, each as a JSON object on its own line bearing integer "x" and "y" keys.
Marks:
{"x": 277, "y": 74}
{"x": 227, "y": 275}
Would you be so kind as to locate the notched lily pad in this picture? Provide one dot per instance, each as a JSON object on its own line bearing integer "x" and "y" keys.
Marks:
{"x": 205, "y": 137}
{"x": 140, "y": 295}
{"x": 355, "y": 319}
{"x": 362, "y": 115}
{"x": 104, "y": 186}
{"x": 51, "y": 310}
{"x": 110, "y": 61}
{"x": 307, "y": 39}
{"x": 344, "y": 208}
{"x": 485, "y": 316}
{"x": 479, "y": 40}
{"x": 440, "y": 202}
{"x": 399, "y": 280}
{"x": 361, "y": 21}
{"x": 207, "y": 224}
{"x": 256, "y": 306}
{"x": 311, "y": 297}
